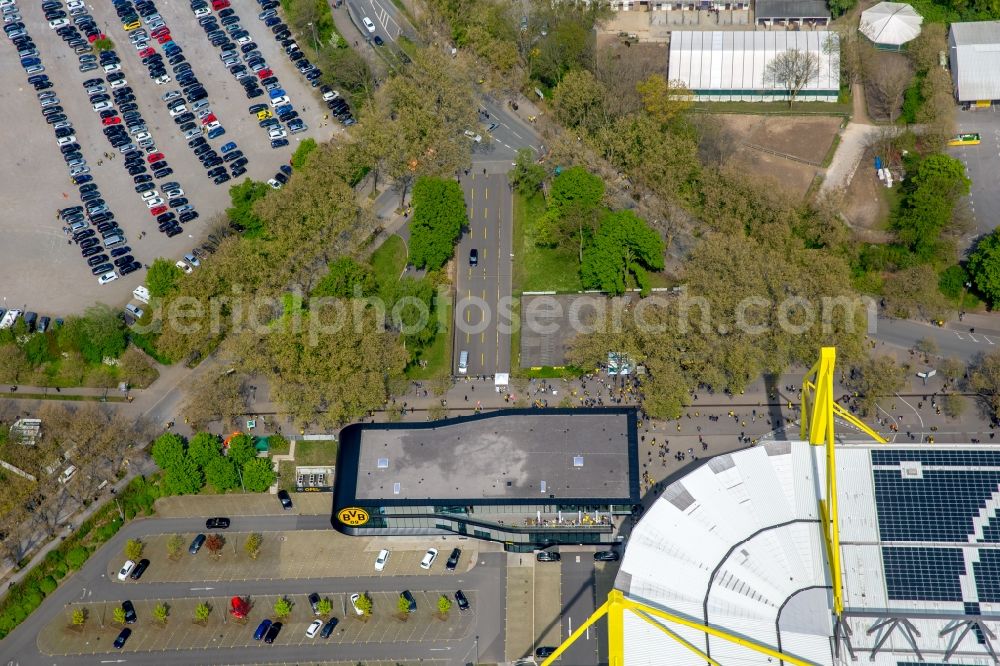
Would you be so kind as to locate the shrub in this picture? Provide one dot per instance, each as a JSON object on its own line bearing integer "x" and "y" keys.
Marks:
{"x": 32, "y": 600}
{"x": 48, "y": 585}
{"x": 76, "y": 557}
{"x": 105, "y": 532}
{"x": 60, "y": 570}
{"x": 54, "y": 557}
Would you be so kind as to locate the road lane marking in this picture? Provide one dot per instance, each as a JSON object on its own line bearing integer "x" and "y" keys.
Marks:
{"x": 486, "y": 213}
{"x": 959, "y": 336}
{"x": 973, "y": 337}
{"x": 987, "y": 340}
{"x": 486, "y": 194}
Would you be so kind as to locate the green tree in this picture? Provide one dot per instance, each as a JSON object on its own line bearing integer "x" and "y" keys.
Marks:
{"x": 175, "y": 544}
{"x": 527, "y": 176}
{"x": 410, "y": 307}
{"x": 444, "y": 604}
{"x": 79, "y": 617}
{"x": 282, "y": 608}
{"x": 168, "y": 450}
{"x": 841, "y": 7}
{"x": 203, "y": 448}
{"x": 163, "y": 277}
{"x": 161, "y": 612}
{"x": 952, "y": 281}
{"x": 403, "y": 606}
{"x": 241, "y": 213}
{"x": 118, "y": 615}
{"x": 302, "y": 153}
{"x": 928, "y": 203}
{"x": 184, "y": 478}
{"x": 364, "y": 604}
{"x": 241, "y": 449}
{"x": 258, "y": 475}
{"x": 133, "y": 549}
{"x": 201, "y": 612}
{"x": 984, "y": 268}
{"x": 664, "y": 100}
{"x": 103, "y": 44}
{"x": 252, "y": 544}
{"x": 98, "y": 334}
{"x": 579, "y": 100}
{"x": 984, "y": 379}
{"x": 346, "y": 279}
{"x": 624, "y": 246}
{"x": 324, "y": 606}
{"x": 438, "y": 220}
{"x": 954, "y": 405}
{"x": 875, "y": 378}
{"x": 576, "y": 186}
{"x": 221, "y": 474}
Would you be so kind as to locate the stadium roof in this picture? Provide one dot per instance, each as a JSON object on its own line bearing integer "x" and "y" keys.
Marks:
{"x": 890, "y": 23}
{"x": 737, "y": 544}
{"x": 731, "y": 62}
{"x": 791, "y": 9}
{"x": 510, "y": 455}
{"x": 975, "y": 60}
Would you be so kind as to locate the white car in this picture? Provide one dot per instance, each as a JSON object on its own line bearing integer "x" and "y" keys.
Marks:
{"x": 314, "y": 628}
{"x": 330, "y": 95}
{"x": 178, "y": 110}
{"x": 429, "y": 558}
{"x": 141, "y": 293}
{"x": 129, "y": 564}
{"x": 149, "y": 195}
{"x": 183, "y": 266}
{"x": 472, "y": 135}
{"x": 154, "y": 202}
{"x": 173, "y": 94}
{"x": 162, "y": 80}
{"x": 203, "y": 11}
{"x": 273, "y": 183}
{"x": 111, "y": 66}
{"x": 175, "y": 192}
{"x": 368, "y": 24}
{"x": 212, "y": 125}
{"x": 100, "y": 106}
{"x": 134, "y": 310}
{"x": 193, "y": 260}
{"x": 278, "y": 101}
{"x": 383, "y": 556}
{"x": 107, "y": 277}
{"x": 120, "y": 83}
{"x": 246, "y": 39}
{"x": 142, "y": 136}
{"x": 277, "y": 133}
{"x": 58, "y": 23}
{"x": 66, "y": 140}
{"x": 354, "y": 602}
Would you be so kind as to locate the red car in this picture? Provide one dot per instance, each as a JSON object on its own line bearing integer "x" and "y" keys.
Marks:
{"x": 264, "y": 73}
{"x": 155, "y": 157}
{"x": 210, "y": 118}
{"x": 146, "y": 52}
{"x": 113, "y": 120}
{"x": 94, "y": 37}
{"x": 159, "y": 210}
{"x": 219, "y": 4}
{"x": 159, "y": 31}
{"x": 164, "y": 38}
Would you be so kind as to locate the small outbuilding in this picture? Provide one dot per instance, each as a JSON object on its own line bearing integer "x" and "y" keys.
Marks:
{"x": 791, "y": 12}
{"x": 889, "y": 25}
{"x": 974, "y": 52}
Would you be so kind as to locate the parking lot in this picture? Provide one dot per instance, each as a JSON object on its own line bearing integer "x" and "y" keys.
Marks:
{"x": 288, "y": 555}
{"x": 220, "y": 631}
{"x": 982, "y": 164}
{"x": 40, "y": 268}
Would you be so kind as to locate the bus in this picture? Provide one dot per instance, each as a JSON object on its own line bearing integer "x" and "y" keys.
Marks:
{"x": 969, "y": 139}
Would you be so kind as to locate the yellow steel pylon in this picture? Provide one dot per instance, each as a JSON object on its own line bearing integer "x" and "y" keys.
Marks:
{"x": 818, "y": 412}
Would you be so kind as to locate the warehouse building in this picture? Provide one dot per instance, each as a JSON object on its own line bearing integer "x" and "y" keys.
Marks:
{"x": 528, "y": 478}
{"x": 723, "y": 66}
{"x": 974, "y": 51}
{"x": 792, "y": 13}
{"x": 737, "y": 545}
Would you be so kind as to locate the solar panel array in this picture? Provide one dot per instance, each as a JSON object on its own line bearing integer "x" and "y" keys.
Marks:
{"x": 941, "y": 511}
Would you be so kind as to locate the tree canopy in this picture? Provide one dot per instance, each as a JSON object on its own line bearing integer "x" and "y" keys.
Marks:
{"x": 984, "y": 268}
{"x": 439, "y": 216}
{"x": 624, "y": 245}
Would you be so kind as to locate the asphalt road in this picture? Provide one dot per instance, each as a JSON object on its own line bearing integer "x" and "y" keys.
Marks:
{"x": 982, "y": 164}
{"x": 578, "y": 603}
{"x": 483, "y": 291}
{"x": 510, "y": 133}
{"x": 957, "y": 340}
{"x": 91, "y": 584}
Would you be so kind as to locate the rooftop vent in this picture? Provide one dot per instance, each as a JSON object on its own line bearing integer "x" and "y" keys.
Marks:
{"x": 543, "y": 487}
{"x": 577, "y": 461}
{"x": 395, "y": 489}
{"x": 383, "y": 463}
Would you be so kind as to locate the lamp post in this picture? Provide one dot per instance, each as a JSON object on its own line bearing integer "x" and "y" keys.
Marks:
{"x": 315, "y": 38}
{"x": 477, "y": 649}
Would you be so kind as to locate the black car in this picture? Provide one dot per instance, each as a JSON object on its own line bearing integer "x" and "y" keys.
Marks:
{"x": 130, "y": 616}
{"x": 547, "y": 556}
{"x": 272, "y": 633}
{"x": 136, "y": 265}
{"x": 97, "y": 260}
{"x": 163, "y": 173}
{"x": 121, "y": 262}
{"x": 461, "y": 600}
{"x": 410, "y": 600}
{"x": 286, "y": 500}
{"x": 606, "y": 556}
{"x": 102, "y": 269}
{"x": 453, "y": 559}
{"x": 122, "y": 637}
{"x": 544, "y": 651}
{"x": 314, "y": 603}
{"x": 118, "y": 252}
{"x": 216, "y": 523}
{"x": 328, "y": 628}
{"x": 91, "y": 251}
{"x": 89, "y": 243}
{"x": 187, "y": 216}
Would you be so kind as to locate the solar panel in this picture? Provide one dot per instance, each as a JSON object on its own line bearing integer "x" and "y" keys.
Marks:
{"x": 923, "y": 574}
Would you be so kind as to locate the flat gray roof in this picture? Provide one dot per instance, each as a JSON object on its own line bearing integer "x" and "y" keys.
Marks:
{"x": 791, "y": 9}
{"x": 580, "y": 455}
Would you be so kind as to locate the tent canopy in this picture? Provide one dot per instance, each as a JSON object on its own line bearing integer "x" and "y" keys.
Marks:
{"x": 890, "y": 23}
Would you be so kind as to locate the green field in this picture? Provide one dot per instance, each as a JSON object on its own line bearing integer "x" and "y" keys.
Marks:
{"x": 539, "y": 268}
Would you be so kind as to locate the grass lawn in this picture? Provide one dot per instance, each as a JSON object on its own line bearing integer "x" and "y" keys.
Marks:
{"x": 307, "y": 453}
{"x": 437, "y": 357}
{"x": 389, "y": 259}
{"x": 538, "y": 268}
{"x": 775, "y": 108}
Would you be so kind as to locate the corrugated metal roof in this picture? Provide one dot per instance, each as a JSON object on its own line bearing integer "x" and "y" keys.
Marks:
{"x": 791, "y": 9}
{"x": 737, "y": 60}
{"x": 975, "y": 60}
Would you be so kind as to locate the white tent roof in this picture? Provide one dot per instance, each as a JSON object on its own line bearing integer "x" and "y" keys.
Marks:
{"x": 890, "y": 23}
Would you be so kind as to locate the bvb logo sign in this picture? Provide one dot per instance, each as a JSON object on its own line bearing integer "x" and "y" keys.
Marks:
{"x": 353, "y": 516}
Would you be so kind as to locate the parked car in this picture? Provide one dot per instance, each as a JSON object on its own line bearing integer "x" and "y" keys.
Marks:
{"x": 122, "y": 638}
{"x": 314, "y": 628}
{"x": 461, "y": 600}
{"x": 216, "y": 523}
{"x": 380, "y": 560}
{"x": 140, "y": 568}
{"x": 314, "y": 603}
{"x": 272, "y": 633}
{"x": 126, "y": 569}
{"x": 328, "y": 628}
{"x": 196, "y": 544}
{"x": 406, "y": 594}
{"x": 130, "y": 616}
{"x": 429, "y": 558}
{"x": 606, "y": 556}
{"x": 452, "y": 562}
{"x": 261, "y": 629}
{"x": 283, "y": 496}
{"x": 547, "y": 556}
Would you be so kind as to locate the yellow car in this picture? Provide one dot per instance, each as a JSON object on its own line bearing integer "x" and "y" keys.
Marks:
{"x": 131, "y": 26}
{"x": 265, "y": 114}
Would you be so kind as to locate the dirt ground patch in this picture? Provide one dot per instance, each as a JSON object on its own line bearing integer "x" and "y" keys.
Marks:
{"x": 805, "y": 137}
{"x": 865, "y": 206}
{"x": 794, "y": 138}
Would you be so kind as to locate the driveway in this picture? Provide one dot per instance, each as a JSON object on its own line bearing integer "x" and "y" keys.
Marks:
{"x": 982, "y": 165}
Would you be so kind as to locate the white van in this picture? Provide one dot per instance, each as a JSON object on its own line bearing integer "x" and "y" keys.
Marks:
{"x": 9, "y": 318}
{"x": 463, "y": 362}
{"x": 141, "y": 293}
{"x": 67, "y": 474}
